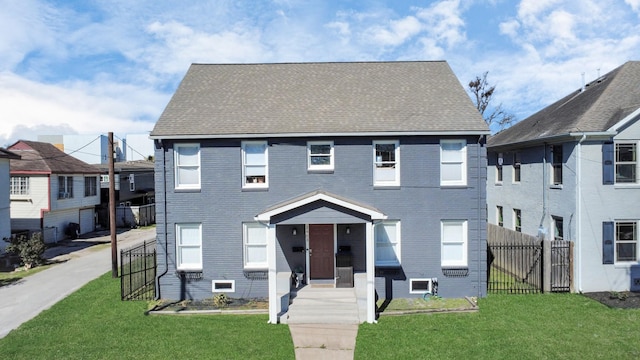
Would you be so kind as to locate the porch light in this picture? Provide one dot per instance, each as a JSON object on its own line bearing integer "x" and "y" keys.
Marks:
{"x": 348, "y": 231}
{"x": 294, "y": 231}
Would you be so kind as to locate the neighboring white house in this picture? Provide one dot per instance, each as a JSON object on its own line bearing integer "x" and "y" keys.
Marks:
{"x": 50, "y": 189}
{"x": 570, "y": 172}
{"x": 5, "y": 214}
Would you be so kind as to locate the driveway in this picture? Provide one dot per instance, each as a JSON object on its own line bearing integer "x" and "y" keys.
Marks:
{"x": 83, "y": 261}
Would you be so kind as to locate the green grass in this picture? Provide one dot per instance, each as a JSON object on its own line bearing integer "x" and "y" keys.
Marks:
{"x": 93, "y": 323}
{"x": 535, "y": 326}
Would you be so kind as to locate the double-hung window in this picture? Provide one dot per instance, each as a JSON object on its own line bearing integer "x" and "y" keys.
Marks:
{"x": 19, "y": 185}
{"x": 387, "y": 240}
{"x": 500, "y": 215}
{"x": 65, "y": 187}
{"x": 90, "y": 186}
{"x": 516, "y": 167}
{"x": 454, "y": 243}
{"x": 626, "y": 163}
{"x": 187, "y": 166}
{"x": 189, "y": 246}
{"x": 320, "y": 155}
{"x": 626, "y": 241}
{"x": 557, "y": 164}
{"x": 453, "y": 162}
{"x": 517, "y": 220}
{"x": 558, "y": 228}
{"x": 255, "y": 246}
{"x": 499, "y": 161}
{"x": 255, "y": 164}
{"x": 386, "y": 163}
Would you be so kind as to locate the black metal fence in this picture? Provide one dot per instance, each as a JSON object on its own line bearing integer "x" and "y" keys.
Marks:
{"x": 138, "y": 272}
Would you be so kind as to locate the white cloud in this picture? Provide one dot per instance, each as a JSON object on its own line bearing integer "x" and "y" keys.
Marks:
{"x": 444, "y": 22}
{"x": 635, "y": 4}
{"x": 396, "y": 32}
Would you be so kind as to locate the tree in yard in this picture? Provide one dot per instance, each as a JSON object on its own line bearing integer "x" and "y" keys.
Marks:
{"x": 482, "y": 94}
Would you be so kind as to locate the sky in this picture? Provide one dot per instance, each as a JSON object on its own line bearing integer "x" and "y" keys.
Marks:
{"x": 91, "y": 67}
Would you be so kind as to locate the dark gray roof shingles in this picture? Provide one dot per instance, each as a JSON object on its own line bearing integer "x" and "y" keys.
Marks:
{"x": 46, "y": 158}
{"x": 318, "y": 98}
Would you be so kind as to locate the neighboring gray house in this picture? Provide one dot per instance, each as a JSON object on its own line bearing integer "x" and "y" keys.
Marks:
{"x": 266, "y": 169}
{"x": 5, "y": 213}
{"x": 570, "y": 172}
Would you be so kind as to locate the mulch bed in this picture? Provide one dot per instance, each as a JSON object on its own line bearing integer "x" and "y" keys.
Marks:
{"x": 208, "y": 304}
{"x": 618, "y": 300}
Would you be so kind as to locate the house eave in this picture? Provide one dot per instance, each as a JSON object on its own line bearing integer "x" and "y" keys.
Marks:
{"x": 305, "y": 135}
{"x": 572, "y": 136}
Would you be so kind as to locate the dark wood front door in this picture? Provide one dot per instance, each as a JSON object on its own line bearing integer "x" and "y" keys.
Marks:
{"x": 321, "y": 256}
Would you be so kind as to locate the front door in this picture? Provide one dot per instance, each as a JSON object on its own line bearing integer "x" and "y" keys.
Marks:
{"x": 321, "y": 254}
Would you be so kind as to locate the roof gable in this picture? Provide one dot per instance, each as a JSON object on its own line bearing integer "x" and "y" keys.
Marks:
{"x": 603, "y": 103}
{"x": 318, "y": 98}
{"x": 40, "y": 157}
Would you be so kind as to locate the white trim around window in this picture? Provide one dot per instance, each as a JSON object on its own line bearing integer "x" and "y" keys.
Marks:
{"x": 453, "y": 162}
{"x": 187, "y": 166}
{"x": 223, "y": 286}
{"x": 386, "y": 163}
{"x": 255, "y": 164}
{"x": 454, "y": 243}
{"x": 388, "y": 240}
{"x": 189, "y": 246}
{"x": 320, "y": 156}
{"x": 254, "y": 238}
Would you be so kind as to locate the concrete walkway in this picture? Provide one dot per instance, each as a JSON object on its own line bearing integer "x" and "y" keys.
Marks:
{"x": 324, "y": 341}
{"x": 81, "y": 263}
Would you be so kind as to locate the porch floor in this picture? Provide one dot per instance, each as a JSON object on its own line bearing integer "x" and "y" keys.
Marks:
{"x": 328, "y": 305}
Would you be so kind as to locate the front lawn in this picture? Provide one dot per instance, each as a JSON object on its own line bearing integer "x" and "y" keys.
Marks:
{"x": 536, "y": 326}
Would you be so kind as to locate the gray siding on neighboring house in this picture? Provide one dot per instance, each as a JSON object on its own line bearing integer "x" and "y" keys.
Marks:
{"x": 420, "y": 203}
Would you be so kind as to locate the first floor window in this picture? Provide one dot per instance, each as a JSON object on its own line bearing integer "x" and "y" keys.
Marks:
{"x": 453, "y": 162}
{"x": 626, "y": 241}
{"x": 626, "y": 163}
{"x": 387, "y": 239}
{"x": 386, "y": 163}
{"x": 254, "y": 164}
{"x": 500, "y": 215}
{"x": 189, "y": 246}
{"x": 454, "y": 243}
{"x": 19, "y": 185}
{"x": 320, "y": 155}
{"x": 255, "y": 246}
{"x": 65, "y": 187}
{"x": 558, "y": 225}
{"x": 187, "y": 166}
{"x": 90, "y": 186}
{"x": 517, "y": 220}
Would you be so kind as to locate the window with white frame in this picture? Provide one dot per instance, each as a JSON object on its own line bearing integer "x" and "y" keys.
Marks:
{"x": 499, "y": 161}
{"x": 189, "y": 246}
{"x": 420, "y": 286}
{"x": 132, "y": 182}
{"x": 90, "y": 186}
{"x": 517, "y": 220}
{"x": 255, "y": 164}
{"x": 19, "y": 185}
{"x": 556, "y": 164}
{"x": 454, "y": 243}
{"x": 626, "y": 163}
{"x": 223, "y": 286}
{"x": 558, "y": 228}
{"x": 187, "y": 166}
{"x": 65, "y": 187}
{"x": 453, "y": 162}
{"x": 255, "y": 246}
{"x": 320, "y": 155}
{"x": 627, "y": 241}
{"x": 500, "y": 215}
{"x": 387, "y": 240}
{"x": 516, "y": 167}
{"x": 386, "y": 163}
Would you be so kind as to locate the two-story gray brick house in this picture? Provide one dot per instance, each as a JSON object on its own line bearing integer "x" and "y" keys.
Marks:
{"x": 269, "y": 169}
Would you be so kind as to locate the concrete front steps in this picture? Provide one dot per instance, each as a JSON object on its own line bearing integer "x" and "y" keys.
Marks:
{"x": 323, "y": 305}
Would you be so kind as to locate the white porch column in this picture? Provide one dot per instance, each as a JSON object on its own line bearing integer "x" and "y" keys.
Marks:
{"x": 271, "y": 263}
{"x": 371, "y": 269}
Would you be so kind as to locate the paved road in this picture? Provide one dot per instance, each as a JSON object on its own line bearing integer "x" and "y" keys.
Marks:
{"x": 22, "y": 301}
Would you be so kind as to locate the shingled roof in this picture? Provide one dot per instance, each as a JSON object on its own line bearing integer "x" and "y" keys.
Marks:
{"x": 602, "y": 104}
{"x": 44, "y": 158}
{"x": 298, "y": 99}
{"x": 6, "y": 154}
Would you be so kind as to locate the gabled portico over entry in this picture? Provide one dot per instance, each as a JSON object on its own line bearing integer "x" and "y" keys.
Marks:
{"x": 318, "y": 216}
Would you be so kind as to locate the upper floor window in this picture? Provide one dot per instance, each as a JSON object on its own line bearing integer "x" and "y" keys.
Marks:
{"x": 65, "y": 187}
{"x": 187, "y": 166}
{"x": 19, "y": 185}
{"x": 320, "y": 155}
{"x": 132, "y": 182}
{"x": 90, "y": 186}
{"x": 453, "y": 162}
{"x": 556, "y": 163}
{"x": 189, "y": 246}
{"x": 516, "y": 167}
{"x": 517, "y": 220}
{"x": 626, "y": 163}
{"x": 386, "y": 163}
{"x": 387, "y": 240}
{"x": 255, "y": 246}
{"x": 255, "y": 164}
{"x": 499, "y": 161}
{"x": 454, "y": 243}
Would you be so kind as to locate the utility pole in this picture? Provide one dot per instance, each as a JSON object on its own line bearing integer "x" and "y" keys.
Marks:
{"x": 112, "y": 210}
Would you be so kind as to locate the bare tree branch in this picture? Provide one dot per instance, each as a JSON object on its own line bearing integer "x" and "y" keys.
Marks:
{"x": 482, "y": 94}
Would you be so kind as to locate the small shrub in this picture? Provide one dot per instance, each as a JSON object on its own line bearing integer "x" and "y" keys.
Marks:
{"x": 29, "y": 250}
{"x": 221, "y": 300}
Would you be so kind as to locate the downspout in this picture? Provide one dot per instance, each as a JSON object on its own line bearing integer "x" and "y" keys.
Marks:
{"x": 577, "y": 240}
{"x": 479, "y": 217}
{"x": 166, "y": 238}
{"x": 544, "y": 190}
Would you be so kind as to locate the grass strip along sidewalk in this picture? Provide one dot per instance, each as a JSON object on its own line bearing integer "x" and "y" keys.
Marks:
{"x": 93, "y": 323}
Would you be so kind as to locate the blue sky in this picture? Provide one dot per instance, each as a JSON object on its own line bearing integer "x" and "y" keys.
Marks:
{"x": 90, "y": 67}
